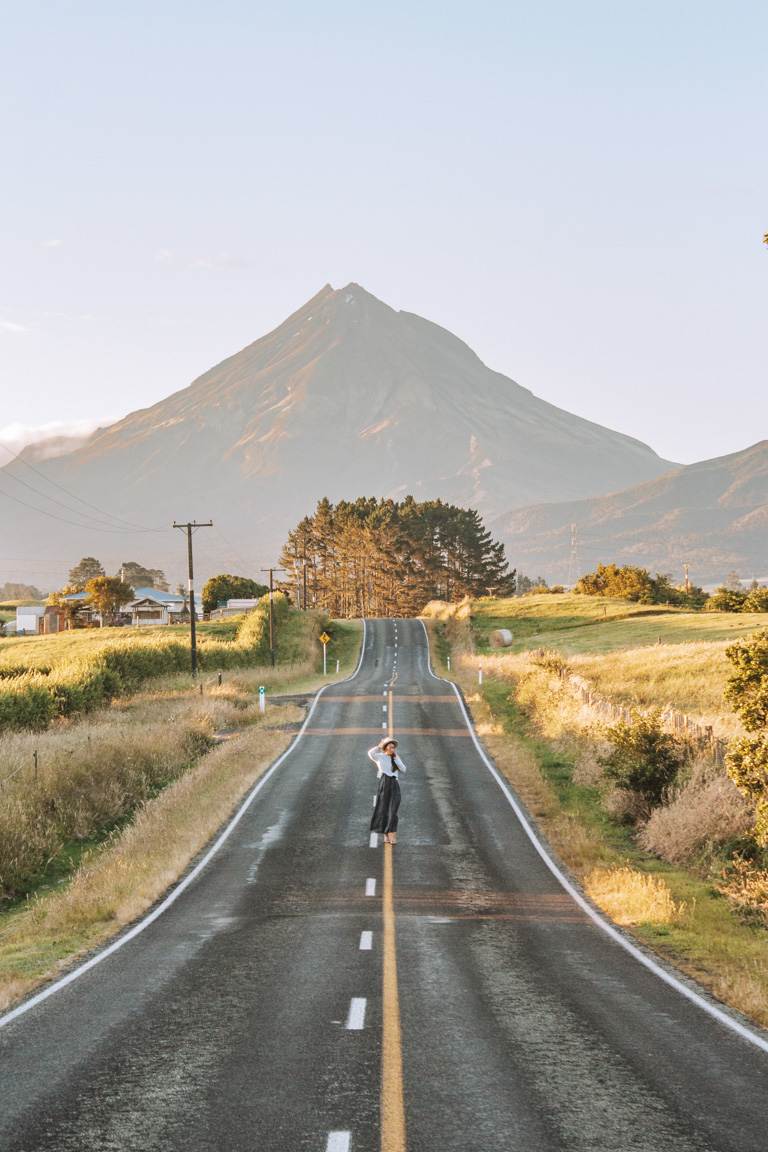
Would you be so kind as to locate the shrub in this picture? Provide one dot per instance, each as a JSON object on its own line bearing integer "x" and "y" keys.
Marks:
{"x": 756, "y": 601}
{"x": 702, "y": 815}
{"x": 644, "y": 759}
{"x": 725, "y": 600}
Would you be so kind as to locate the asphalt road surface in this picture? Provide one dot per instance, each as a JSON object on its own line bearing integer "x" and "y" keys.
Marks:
{"x": 264, "y": 1011}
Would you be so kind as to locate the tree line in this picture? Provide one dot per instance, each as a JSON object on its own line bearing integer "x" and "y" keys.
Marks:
{"x": 381, "y": 557}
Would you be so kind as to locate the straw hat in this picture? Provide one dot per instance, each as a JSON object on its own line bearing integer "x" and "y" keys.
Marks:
{"x": 387, "y": 740}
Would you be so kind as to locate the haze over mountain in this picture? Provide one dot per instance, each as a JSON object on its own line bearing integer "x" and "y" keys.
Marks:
{"x": 712, "y": 515}
{"x": 347, "y": 397}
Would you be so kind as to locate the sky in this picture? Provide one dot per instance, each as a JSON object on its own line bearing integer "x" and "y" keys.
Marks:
{"x": 577, "y": 191}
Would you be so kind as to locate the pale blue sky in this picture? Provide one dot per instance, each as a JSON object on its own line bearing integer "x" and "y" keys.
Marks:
{"x": 577, "y": 190}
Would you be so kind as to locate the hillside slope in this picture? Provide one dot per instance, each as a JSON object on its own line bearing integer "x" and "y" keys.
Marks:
{"x": 346, "y": 397}
{"x": 712, "y": 515}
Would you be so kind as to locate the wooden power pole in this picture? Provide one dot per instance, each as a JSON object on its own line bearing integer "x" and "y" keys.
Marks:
{"x": 272, "y": 613}
{"x": 189, "y": 528}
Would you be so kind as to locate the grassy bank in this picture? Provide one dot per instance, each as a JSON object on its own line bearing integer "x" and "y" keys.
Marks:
{"x": 47, "y": 677}
{"x": 552, "y": 763}
{"x": 138, "y": 790}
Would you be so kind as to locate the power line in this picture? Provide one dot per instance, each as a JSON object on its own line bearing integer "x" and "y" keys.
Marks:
{"x": 75, "y": 523}
{"x": 17, "y": 457}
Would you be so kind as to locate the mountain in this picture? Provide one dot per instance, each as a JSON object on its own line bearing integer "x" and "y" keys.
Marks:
{"x": 347, "y": 397}
{"x": 712, "y": 515}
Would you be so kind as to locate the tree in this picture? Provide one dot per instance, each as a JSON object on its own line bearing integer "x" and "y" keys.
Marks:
{"x": 725, "y": 600}
{"x": 747, "y": 690}
{"x": 12, "y": 591}
{"x": 382, "y": 557}
{"x": 140, "y": 577}
{"x": 225, "y": 587}
{"x": 108, "y": 594}
{"x": 644, "y": 759}
{"x": 756, "y": 601}
{"x": 87, "y": 569}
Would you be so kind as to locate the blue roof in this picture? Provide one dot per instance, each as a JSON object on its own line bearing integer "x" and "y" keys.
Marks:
{"x": 156, "y": 594}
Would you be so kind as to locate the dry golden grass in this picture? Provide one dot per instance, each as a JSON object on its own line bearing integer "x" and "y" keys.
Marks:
{"x": 690, "y": 677}
{"x": 122, "y": 879}
{"x": 704, "y": 812}
{"x": 632, "y": 897}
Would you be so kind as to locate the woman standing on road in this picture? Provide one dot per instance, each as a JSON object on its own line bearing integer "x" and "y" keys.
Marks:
{"x": 389, "y": 764}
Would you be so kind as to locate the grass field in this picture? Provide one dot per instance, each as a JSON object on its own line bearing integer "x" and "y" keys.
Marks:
{"x": 585, "y": 624}
{"x": 658, "y": 655}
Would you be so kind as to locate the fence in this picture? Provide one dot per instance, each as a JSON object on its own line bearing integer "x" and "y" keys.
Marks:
{"x": 609, "y": 710}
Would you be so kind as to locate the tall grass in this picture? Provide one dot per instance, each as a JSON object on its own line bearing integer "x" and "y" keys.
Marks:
{"x": 86, "y": 672}
{"x": 82, "y": 782}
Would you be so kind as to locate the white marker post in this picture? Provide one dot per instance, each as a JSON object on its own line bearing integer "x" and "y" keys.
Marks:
{"x": 449, "y": 663}
{"x": 262, "y": 698}
{"x": 479, "y": 675}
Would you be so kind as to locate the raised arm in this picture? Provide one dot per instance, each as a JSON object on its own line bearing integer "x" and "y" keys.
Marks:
{"x": 374, "y": 753}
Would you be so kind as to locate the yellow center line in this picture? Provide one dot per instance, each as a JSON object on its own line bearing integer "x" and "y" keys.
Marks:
{"x": 392, "y": 1104}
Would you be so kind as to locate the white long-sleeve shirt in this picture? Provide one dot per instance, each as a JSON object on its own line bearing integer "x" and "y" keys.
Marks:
{"x": 383, "y": 762}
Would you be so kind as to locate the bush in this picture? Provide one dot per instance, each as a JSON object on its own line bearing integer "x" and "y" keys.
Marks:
{"x": 644, "y": 759}
{"x": 706, "y": 813}
{"x": 756, "y": 601}
{"x": 725, "y": 600}
{"x": 747, "y": 687}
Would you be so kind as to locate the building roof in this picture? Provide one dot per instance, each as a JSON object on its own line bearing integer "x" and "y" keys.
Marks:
{"x": 30, "y": 610}
{"x": 157, "y": 595}
{"x": 76, "y": 596}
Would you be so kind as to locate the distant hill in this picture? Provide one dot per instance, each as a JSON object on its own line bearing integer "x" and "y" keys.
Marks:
{"x": 712, "y": 515}
{"x": 347, "y": 397}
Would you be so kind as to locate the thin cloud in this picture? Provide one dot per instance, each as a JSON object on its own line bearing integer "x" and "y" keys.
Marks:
{"x": 163, "y": 256}
{"x": 15, "y": 437}
{"x": 12, "y": 326}
{"x": 51, "y": 243}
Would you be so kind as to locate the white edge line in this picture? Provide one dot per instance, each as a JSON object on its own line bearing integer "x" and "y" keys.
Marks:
{"x": 185, "y": 882}
{"x": 668, "y": 978}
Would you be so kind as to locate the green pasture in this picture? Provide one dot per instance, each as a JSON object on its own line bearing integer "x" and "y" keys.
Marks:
{"x": 592, "y": 624}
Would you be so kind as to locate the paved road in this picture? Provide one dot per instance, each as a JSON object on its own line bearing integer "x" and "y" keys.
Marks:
{"x": 225, "y": 1025}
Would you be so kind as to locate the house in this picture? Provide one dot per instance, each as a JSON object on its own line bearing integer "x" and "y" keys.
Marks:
{"x": 29, "y": 619}
{"x": 152, "y": 607}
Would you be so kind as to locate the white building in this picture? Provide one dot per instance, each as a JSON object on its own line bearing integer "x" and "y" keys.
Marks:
{"x": 152, "y": 607}
{"x": 29, "y": 620}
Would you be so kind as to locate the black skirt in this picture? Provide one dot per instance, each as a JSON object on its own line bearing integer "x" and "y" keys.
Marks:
{"x": 384, "y": 817}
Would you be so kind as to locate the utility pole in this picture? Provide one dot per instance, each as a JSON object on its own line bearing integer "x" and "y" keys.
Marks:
{"x": 573, "y": 560}
{"x": 189, "y": 528}
{"x": 271, "y": 613}
{"x": 687, "y": 580}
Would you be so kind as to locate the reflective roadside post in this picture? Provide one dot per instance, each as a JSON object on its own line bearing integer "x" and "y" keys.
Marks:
{"x": 262, "y": 698}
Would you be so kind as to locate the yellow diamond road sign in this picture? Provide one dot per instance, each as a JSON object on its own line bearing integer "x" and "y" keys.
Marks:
{"x": 324, "y": 638}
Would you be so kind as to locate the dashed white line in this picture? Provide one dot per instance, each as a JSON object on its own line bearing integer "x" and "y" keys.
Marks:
{"x": 374, "y": 841}
{"x": 366, "y": 941}
{"x": 338, "y": 1142}
{"x": 383, "y": 723}
{"x": 383, "y": 707}
{"x": 356, "y": 1017}
{"x": 370, "y": 886}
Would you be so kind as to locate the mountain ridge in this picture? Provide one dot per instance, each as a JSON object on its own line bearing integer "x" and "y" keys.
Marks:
{"x": 345, "y": 397}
